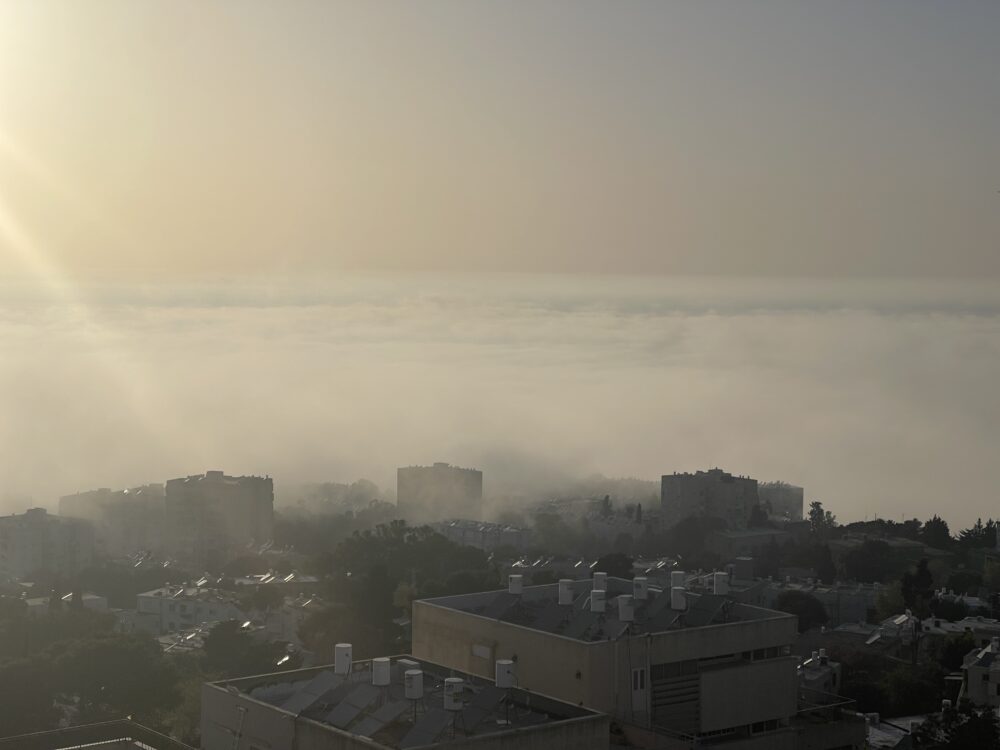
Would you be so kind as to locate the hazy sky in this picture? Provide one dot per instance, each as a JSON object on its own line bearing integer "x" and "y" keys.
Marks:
{"x": 771, "y": 137}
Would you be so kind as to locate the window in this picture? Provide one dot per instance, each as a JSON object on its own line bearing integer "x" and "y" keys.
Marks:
{"x": 638, "y": 679}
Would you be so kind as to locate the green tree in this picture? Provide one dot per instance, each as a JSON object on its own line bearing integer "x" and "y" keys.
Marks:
{"x": 821, "y": 521}
{"x": 935, "y": 533}
{"x": 806, "y": 607}
{"x": 615, "y": 564}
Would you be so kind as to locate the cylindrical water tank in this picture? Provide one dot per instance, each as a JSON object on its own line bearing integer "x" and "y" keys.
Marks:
{"x": 515, "y": 583}
{"x": 600, "y": 581}
{"x": 413, "y": 684}
{"x": 720, "y": 583}
{"x": 342, "y": 658}
{"x": 640, "y": 588}
{"x": 626, "y": 608}
{"x": 677, "y": 578}
{"x": 453, "y": 694}
{"x": 678, "y": 598}
{"x": 380, "y": 671}
{"x": 565, "y": 591}
{"x": 505, "y": 673}
{"x": 597, "y": 600}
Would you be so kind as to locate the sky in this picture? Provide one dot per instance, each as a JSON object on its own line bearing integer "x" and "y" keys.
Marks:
{"x": 320, "y": 240}
{"x": 145, "y": 140}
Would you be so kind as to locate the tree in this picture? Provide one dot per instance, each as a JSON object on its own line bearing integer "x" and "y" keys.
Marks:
{"x": 871, "y": 562}
{"x": 917, "y": 587}
{"x": 960, "y": 728}
{"x": 821, "y": 522}
{"x": 889, "y": 601}
{"x": 806, "y": 607}
{"x": 758, "y": 517}
{"x": 935, "y": 533}
{"x": 615, "y": 564}
{"x": 230, "y": 650}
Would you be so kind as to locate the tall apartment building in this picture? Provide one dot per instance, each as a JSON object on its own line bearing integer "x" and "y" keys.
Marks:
{"x": 125, "y": 521}
{"x": 708, "y": 493}
{"x": 36, "y": 542}
{"x": 439, "y": 492}
{"x": 784, "y": 500}
{"x": 211, "y": 517}
{"x": 678, "y": 670}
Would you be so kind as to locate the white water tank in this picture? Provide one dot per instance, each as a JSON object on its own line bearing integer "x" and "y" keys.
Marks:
{"x": 515, "y": 584}
{"x": 504, "y": 673}
{"x": 677, "y": 578}
{"x": 640, "y": 588}
{"x": 720, "y": 584}
{"x": 678, "y": 598}
{"x": 342, "y": 658}
{"x": 626, "y": 608}
{"x": 565, "y": 591}
{"x": 413, "y": 684}
{"x": 597, "y": 600}
{"x": 600, "y": 581}
{"x": 380, "y": 671}
{"x": 453, "y": 694}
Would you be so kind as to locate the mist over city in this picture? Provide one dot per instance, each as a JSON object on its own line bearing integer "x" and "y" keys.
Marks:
{"x": 458, "y": 374}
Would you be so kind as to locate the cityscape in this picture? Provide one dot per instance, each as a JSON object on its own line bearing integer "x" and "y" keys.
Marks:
{"x": 482, "y": 375}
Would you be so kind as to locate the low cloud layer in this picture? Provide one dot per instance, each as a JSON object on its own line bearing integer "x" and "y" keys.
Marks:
{"x": 877, "y": 398}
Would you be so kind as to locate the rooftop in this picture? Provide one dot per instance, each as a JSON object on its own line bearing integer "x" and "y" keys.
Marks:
{"x": 538, "y": 608}
{"x": 109, "y": 735}
{"x": 352, "y": 704}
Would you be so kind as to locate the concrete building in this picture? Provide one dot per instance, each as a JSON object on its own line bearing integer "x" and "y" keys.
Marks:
{"x": 730, "y": 543}
{"x": 211, "y": 517}
{"x": 483, "y": 535}
{"x": 170, "y": 609}
{"x": 107, "y": 735}
{"x": 439, "y": 492}
{"x": 782, "y": 500}
{"x": 390, "y": 704}
{"x": 708, "y": 493}
{"x": 678, "y": 669}
{"x": 40, "y": 605}
{"x": 125, "y": 521}
{"x": 36, "y": 542}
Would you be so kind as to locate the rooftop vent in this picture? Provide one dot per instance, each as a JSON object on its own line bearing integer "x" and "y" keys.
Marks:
{"x": 342, "y": 658}
{"x": 600, "y": 581}
{"x": 640, "y": 588}
{"x": 626, "y": 608}
{"x": 597, "y": 600}
{"x": 678, "y": 598}
{"x": 565, "y": 591}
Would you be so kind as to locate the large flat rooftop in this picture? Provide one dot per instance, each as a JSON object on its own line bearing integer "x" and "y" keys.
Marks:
{"x": 538, "y": 607}
{"x": 386, "y": 718}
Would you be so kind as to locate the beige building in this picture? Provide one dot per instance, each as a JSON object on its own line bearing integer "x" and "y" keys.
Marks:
{"x": 125, "y": 521}
{"x": 36, "y": 542}
{"x": 439, "y": 492}
{"x": 678, "y": 669}
{"x": 708, "y": 493}
{"x": 389, "y": 704}
{"x": 212, "y": 517}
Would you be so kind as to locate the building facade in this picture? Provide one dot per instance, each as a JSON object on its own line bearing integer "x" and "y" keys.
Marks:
{"x": 439, "y": 492}
{"x": 389, "y": 703}
{"x": 713, "y": 493}
{"x": 678, "y": 673}
{"x": 781, "y": 500}
{"x": 37, "y": 542}
{"x": 211, "y": 517}
{"x": 125, "y": 521}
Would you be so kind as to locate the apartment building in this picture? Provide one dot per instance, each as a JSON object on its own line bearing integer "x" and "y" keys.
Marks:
{"x": 714, "y": 493}
{"x": 37, "y": 542}
{"x": 439, "y": 492}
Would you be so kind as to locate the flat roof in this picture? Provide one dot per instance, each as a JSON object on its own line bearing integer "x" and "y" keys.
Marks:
{"x": 538, "y": 608}
{"x": 353, "y": 705}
